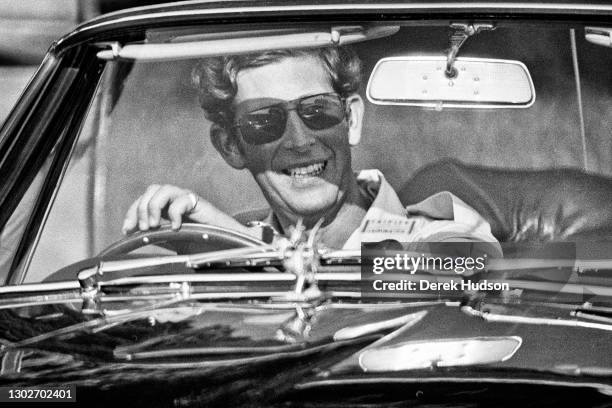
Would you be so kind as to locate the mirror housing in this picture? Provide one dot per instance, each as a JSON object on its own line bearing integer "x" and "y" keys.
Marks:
{"x": 480, "y": 83}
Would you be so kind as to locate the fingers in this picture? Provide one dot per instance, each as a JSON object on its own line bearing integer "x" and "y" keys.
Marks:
{"x": 181, "y": 205}
{"x": 131, "y": 218}
{"x": 137, "y": 215}
{"x": 146, "y": 211}
{"x": 145, "y": 218}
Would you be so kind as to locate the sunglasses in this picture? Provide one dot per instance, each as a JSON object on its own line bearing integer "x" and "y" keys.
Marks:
{"x": 264, "y": 120}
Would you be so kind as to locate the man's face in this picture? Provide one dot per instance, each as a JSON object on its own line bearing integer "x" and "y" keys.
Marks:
{"x": 306, "y": 172}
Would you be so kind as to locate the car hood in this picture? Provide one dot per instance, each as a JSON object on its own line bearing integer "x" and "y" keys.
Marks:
{"x": 230, "y": 349}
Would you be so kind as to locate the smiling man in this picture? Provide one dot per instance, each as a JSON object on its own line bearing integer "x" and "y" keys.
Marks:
{"x": 290, "y": 117}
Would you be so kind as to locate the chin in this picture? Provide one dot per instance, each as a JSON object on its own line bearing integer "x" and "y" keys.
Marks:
{"x": 310, "y": 209}
{"x": 308, "y": 198}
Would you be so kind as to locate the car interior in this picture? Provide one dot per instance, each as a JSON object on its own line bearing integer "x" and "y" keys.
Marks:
{"x": 537, "y": 172}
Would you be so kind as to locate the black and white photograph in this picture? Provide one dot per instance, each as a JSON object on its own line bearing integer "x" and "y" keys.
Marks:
{"x": 292, "y": 203}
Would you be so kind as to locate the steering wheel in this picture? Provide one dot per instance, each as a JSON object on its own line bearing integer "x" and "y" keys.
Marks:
{"x": 189, "y": 239}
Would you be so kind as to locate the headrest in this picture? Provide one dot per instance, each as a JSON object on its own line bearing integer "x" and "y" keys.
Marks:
{"x": 523, "y": 205}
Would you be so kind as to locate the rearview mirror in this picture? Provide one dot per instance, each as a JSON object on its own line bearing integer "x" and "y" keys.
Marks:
{"x": 478, "y": 83}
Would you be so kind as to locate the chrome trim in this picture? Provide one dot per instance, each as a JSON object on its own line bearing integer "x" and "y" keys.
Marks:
{"x": 233, "y": 277}
{"x": 205, "y": 351}
{"x": 78, "y": 300}
{"x": 234, "y": 255}
{"x": 237, "y": 295}
{"x": 579, "y": 99}
{"x": 194, "y": 278}
{"x": 499, "y": 318}
{"x": 534, "y": 263}
{"x": 209, "y": 277}
{"x": 127, "y": 264}
{"x": 591, "y": 316}
{"x": 341, "y": 253}
{"x": 284, "y": 277}
{"x": 338, "y": 294}
{"x": 437, "y": 361}
{"x": 599, "y": 36}
{"x": 383, "y": 306}
{"x": 246, "y": 360}
{"x": 559, "y": 287}
{"x": 448, "y": 379}
{"x": 522, "y": 8}
{"x": 353, "y": 332}
{"x": 22, "y": 272}
{"x": 40, "y": 287}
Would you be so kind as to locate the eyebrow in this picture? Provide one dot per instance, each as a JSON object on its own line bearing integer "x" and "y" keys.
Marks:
{"x": 249, "y": 105}
{"x": 253, "y": 104}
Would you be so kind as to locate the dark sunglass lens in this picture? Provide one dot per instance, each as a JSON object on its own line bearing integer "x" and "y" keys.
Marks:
{"x": 264, "y": 125}
{"x": 321, "y": 111}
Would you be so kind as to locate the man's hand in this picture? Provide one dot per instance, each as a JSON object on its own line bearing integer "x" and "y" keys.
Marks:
{"x": 173, "y": 203}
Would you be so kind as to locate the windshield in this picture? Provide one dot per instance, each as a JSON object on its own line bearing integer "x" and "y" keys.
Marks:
{"x": 385, "y": 136}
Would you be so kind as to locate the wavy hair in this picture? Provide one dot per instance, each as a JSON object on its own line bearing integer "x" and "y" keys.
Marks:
{"x": 215, "y": 78}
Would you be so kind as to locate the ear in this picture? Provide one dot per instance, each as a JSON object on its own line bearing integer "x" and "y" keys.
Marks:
{"x": 355, "y": 111}
{"x": 227, "y": 145}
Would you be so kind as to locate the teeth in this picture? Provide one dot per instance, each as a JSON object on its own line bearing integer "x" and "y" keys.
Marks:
{"x": 307, "y": 171}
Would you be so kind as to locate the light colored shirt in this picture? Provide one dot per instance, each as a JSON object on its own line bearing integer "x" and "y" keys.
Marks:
{"x": 442, "y": 217}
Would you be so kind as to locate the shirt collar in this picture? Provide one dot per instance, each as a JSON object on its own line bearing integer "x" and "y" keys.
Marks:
{"x": 386, "y": 205}
{"x": 385, "y": 198}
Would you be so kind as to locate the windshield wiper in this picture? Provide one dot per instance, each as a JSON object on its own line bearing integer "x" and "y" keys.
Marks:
{"x": 581, "y": 266}
{"x": 231, "y": 258}
{"x": 297, "y": 256}
{"x": 601, "y": 316}
{"x": 294, "y": 261}
{"x": 504, "y": 318}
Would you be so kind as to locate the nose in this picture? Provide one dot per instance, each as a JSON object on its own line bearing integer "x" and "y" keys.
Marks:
{"x": 297, "y": 135}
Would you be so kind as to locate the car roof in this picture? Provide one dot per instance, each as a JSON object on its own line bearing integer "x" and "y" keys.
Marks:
{"x": 190, "y": 12}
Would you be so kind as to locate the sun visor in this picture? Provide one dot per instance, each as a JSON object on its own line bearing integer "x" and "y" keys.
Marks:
{"x": 243, "y": 42}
